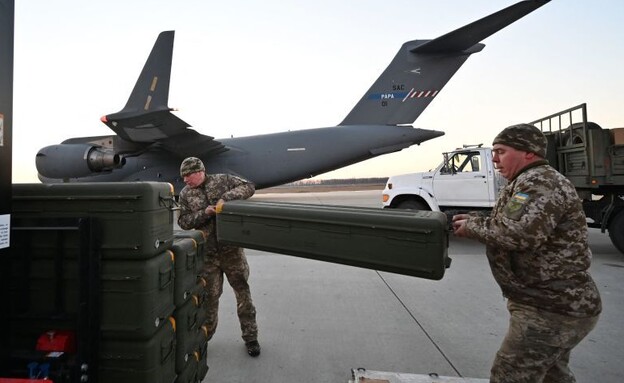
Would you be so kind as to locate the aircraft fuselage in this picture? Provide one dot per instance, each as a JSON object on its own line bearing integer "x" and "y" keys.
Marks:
{"x": 272, "y": 159}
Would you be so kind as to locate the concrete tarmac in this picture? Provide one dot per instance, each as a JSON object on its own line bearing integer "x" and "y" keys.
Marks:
{"x": 318, "y": 320}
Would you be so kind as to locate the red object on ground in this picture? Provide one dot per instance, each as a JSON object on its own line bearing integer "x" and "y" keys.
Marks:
{"x": 60, "y": 340}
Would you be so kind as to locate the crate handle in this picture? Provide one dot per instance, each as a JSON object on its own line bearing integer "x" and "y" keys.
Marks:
{"x": 169, "y": 202}
{"x": 192, "y": 322}
{"x": 166, "y": 276}
{"x": 191, "y": 260}
{"x": 166, "y": 350}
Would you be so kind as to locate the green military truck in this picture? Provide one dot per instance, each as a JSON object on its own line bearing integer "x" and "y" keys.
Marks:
{"x": 590, "y": 156}
{"x": 593, "y": 159}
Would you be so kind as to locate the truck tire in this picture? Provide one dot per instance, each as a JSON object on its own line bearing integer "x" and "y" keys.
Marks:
{"x": 616, "y": 230}
{"x": 411, "y": 204}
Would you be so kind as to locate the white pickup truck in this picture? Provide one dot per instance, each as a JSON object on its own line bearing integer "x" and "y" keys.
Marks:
{"x": 591, "y": 157}
{"x": 465, "y": 180}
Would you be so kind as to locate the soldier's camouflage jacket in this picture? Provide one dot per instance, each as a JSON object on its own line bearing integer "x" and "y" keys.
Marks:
{"x": 536, "y": 240}
{"x": 194, "y": 201}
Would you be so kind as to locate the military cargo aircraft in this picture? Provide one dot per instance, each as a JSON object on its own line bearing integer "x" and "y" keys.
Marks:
{"x": 150, "y": 141}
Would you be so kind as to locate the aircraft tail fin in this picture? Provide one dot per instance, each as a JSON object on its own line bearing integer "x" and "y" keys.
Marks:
{"x": 151, "y": 91}
{"x": 421, "y": 68}
{"x": 146, "y": 119}
{"x": 146, "y": 116}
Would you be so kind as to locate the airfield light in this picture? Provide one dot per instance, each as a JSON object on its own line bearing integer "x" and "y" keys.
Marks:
{"x": 594, "y": 182}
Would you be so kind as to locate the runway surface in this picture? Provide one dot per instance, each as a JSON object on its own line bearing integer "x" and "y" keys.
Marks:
{"x": 318, "y": 320}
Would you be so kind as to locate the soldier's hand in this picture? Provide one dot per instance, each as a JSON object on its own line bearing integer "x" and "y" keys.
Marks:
{"x": 213, "y": 209}
{"x": 459, "y": 224}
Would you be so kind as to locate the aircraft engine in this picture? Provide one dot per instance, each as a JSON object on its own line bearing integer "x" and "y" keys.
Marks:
{"x": 76, "y": 160}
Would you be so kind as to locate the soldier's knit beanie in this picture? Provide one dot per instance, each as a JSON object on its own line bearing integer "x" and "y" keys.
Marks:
{"x": 191, "y": 165}
{"x": 523, "y": 137}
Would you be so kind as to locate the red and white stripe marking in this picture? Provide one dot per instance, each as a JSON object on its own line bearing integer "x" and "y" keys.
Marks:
{"x": 420, "y": 94}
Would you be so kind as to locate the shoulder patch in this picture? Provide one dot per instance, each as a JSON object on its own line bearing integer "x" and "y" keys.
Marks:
{"x": 515, "y": 207}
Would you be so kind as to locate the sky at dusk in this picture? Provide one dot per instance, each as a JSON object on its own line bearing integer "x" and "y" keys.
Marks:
{"x": 242, "y": 68}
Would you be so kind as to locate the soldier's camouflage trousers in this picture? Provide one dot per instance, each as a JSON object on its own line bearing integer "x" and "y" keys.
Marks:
{"x": 537, "y": 346}
{"x": 232, "y": 262}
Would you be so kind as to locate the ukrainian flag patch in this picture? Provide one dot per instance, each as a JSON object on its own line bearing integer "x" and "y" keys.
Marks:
{"x": 520, "y": 197}
{"x": 515, "y": 206}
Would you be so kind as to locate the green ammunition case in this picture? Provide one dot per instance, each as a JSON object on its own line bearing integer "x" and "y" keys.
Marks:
{"x": 136, "y": 296}
{"x": 148, "y": 361}
{"x": 187, "y": 269}
{"x": 405, "y": 242}
{"x": 189, "y": 319}
{"x": 189, "y": 373}
{"x": 202, "y": 367}
{"x": 136, "y": 217}
{"x": 200, "y": 240}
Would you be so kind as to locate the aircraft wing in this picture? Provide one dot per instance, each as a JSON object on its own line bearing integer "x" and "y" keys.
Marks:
{"x": 165, "y": 129}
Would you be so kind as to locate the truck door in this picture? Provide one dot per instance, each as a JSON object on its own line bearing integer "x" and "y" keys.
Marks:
{"x": 463, "y": 180}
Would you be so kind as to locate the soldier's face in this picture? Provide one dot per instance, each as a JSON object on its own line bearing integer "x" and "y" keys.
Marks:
{"x": 509, "y": 161}
{"x": 193, "y": 180}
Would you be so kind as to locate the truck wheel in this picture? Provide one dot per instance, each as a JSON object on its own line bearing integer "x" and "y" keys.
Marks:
{"x": 616, "y": 230}
{"x": 411, "y": 204}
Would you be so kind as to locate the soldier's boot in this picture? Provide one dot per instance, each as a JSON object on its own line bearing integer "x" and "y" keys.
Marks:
{"x": 253, "y": 348}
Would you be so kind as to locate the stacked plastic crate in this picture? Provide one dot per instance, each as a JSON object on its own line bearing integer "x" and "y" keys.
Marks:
{"x": 137, "y": 265}
{"x": 191, "y": 335}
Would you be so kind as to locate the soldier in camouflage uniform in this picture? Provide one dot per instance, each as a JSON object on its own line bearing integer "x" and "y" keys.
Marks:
{"x": 536, "y": 244}
{"x": 198, "y": 202}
